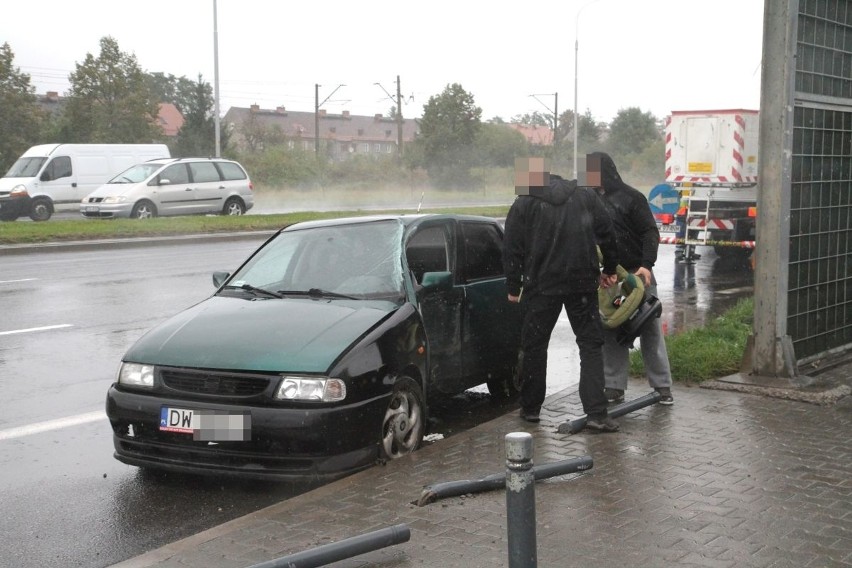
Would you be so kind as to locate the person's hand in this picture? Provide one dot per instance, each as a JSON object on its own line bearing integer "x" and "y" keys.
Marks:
{"x": 645, "y": 275}
{"x": 607, "y": 280}
{"x": 514, "y": 299}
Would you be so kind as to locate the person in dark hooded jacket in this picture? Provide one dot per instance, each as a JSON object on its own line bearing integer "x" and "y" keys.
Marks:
{"x": 638, "y": 241}
{"x": 550, "y": 255}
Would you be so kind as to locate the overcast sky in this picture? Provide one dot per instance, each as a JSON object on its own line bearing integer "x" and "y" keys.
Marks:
{"x": 658, "y": 55}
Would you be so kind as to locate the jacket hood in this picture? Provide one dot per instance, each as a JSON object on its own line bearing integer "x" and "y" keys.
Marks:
{"x": 610, "y": 178}
{"x": 558, "y": 191}
{"x": 286, "y": 335}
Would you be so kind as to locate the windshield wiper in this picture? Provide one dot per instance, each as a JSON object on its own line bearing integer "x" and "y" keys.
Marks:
{"x": 316, "y": 293}
{"x": 256, "y": 290}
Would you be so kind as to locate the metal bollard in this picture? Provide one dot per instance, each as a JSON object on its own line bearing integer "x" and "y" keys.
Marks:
{"x": 520, "y": 500}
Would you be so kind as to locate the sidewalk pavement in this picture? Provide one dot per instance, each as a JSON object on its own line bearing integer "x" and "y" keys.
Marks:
{"x": 726, "y": 477}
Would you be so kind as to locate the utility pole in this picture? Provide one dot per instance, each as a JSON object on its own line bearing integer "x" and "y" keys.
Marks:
{"x": 555, "y": 113}
{"x": 317, "y": 106}
{"x": 398, "y": 103}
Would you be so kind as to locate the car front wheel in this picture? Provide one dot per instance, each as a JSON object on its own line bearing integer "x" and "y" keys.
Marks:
{"x": 144, "y": 210}
{"x": 405, "y": 420}
{"x": 233, "y": 206}
{"x": 41, "y": 209}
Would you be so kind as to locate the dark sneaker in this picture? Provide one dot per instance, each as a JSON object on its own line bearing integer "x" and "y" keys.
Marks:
{"x": 601, "y": 424}
{"x": 530, "y": 415}
{"x": 666, "y": 398}
{"x": 614, "y": 395}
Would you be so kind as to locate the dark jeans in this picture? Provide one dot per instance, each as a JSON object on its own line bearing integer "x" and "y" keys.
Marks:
{"x": 540, "y": 315}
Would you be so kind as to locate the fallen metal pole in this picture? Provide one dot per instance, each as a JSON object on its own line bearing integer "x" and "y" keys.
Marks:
{"x": 432, "y": 493}
{"x": 574, "y": 426}
{"x": 328, "y": 553}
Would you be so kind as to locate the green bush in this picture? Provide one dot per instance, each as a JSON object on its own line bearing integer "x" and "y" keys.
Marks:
{"x": 710, "y": 352}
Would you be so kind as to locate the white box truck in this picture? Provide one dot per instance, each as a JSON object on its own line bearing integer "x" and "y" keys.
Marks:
{"x": 711, "y": 159}
{"x": 51, "y": 177}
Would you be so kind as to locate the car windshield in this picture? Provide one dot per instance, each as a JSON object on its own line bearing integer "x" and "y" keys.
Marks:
{"x": 136, "y": 174}
{"x": 360, "y": 260}
{"x": 25, "y": 167}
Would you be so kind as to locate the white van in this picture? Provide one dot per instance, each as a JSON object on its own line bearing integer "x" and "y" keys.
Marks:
{"x": 52, "y": 177}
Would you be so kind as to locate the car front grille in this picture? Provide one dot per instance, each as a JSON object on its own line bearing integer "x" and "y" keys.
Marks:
{"x": 213, "y": 383}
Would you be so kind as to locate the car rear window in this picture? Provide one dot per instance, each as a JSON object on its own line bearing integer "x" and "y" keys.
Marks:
{"x": 204, "y": 171}
{"x": 231, "y": 171}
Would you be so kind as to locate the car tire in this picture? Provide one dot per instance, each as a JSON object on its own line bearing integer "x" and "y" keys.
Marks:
{"x": 234, "y": 206}
{"x": 8, "y": 213}
{"x": 404, "y": 423}
{"x": 41, "y": 209}
{"x": 506, "y": 385}
{"x": 143, "y": 210}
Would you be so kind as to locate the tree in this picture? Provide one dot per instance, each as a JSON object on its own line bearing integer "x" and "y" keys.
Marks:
{"x": 448, "y": 130}
{"x": 499, "y": 145}
{"x": 109, "y": 100}
{"x": 631, "y": 132}
{"x": 534, "y": 119}
{"x": 197, "y": 136}
{"x": 21, "y": 119}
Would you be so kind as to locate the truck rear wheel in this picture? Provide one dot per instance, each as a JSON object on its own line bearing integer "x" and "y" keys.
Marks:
{"x": 41, "y": 209}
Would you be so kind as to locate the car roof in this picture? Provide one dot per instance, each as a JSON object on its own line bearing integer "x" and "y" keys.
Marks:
{"x": 186, "y": 159}
{"x": 406, "y": 219}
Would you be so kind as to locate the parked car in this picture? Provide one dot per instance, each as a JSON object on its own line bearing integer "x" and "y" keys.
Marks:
{"x": 173, "y": 186}
{"x": 319, "y": 355}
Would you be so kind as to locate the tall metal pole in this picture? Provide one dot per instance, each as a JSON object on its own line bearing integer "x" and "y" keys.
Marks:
{"x": 555, "y": 124}
{"x": 576, "y": 58}
{"x": 576, "y": 122}
{"x": 316, "y": 120}
{"x": 216, "y": 80}
{"x": 398, "y": 119}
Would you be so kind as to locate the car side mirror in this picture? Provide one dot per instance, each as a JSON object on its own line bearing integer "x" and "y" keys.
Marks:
{"x": 165, "y": 182}
{"x": 219, "y": 278}
{"x": 437, "y": 281}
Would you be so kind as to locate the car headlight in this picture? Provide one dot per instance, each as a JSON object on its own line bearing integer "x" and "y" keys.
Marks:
{"x": 316, "y": 389}
{"x": 19, "y": 190}
{"x": 115, "y": 199}
{"x": 136, "y": 375}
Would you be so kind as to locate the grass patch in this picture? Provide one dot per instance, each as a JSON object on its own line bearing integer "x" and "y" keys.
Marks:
{"x": 88, "y": 229}
{"x": 710, "y": 352}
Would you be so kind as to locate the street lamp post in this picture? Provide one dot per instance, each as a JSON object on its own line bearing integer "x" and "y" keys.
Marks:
{"x": 218, "y": 148}
{"x": 576, "y": 58}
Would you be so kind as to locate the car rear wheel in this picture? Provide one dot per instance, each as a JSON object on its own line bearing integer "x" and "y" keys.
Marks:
{"x": 41, "y": 209}
{"x": 144, "y": 210}
{"x": 233, "y": 206}
{"x": 405, "y": 420}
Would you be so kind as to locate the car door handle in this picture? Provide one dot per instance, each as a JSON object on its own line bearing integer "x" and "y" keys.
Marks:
{"x": 189, "y": 189}
{"x": 74, "y": 184}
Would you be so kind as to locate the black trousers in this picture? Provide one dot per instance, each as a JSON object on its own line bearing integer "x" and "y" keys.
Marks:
{"x": 540, "y": 315}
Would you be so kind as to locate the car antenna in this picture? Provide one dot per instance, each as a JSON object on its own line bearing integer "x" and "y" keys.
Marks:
{"x": 419, "y": 205}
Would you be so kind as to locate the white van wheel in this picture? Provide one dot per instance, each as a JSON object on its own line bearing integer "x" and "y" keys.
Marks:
{"x": 144, "y": 210}
{"x": 41, "y": 209}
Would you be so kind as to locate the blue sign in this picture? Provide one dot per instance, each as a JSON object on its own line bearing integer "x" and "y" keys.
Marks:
{"x": 663, "y": 198}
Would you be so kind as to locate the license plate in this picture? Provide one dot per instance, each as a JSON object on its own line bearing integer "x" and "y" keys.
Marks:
{"x": 206, "y": 425}
{"x": 92, "y": 209}
{"x": 668, "y": 228}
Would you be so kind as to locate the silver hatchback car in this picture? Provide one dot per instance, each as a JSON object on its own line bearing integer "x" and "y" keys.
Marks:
{"x": 173, "y": 186}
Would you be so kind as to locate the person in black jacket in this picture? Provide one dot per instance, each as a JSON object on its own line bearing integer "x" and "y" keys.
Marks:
{"x": 550, "y": 255}
{"x": 638, "y": 241}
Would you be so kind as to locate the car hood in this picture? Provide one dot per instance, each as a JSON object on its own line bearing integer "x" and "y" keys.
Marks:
{"x": 280, "y": 335}
{"x": 113, "y": 189}
{"x": 8, "y": 183}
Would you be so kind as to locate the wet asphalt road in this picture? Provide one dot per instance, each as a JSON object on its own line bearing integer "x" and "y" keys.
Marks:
{"x": 67, "y": 318}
